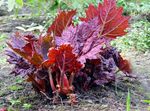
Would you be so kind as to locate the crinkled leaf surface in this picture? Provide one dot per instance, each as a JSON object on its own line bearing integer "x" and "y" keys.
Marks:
{"x": 64, "y": 58}
{"x": 103, "y": 70}
{"x": 25, "y": 46}
{"x": 46, "y": 43}
{"x": 84, "y": 39}
{"x": 122, "y": 64}
{"x": 22, "y": 67}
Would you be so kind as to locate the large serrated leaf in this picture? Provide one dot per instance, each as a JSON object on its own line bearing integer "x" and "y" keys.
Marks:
{"x": 62, "y": 21}
{"x": 112, "y": 22}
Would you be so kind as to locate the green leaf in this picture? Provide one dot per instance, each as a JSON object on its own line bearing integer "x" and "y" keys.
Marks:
{"x": 14, "y": 102}
{"x": 27, "y": 106}
{"x": 146, "y": 101}
{"x": 11, "y": 5}
{"x": 2, "y": 37}
{"x": 20, "y": 3}
{"x": 128, "y": 102}
{"x": 19, "y": 80}
{"x": 55, "y": 5}
{"x": 15, "y": 87}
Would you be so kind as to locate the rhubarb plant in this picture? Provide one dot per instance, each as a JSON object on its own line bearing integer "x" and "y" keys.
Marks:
{"x": 68, "y": 56}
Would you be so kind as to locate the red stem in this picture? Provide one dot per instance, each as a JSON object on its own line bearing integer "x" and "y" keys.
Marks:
{"x": 62, "y": 73}
{"x": 71, "y": 79}
{"x": 51, "y": 80}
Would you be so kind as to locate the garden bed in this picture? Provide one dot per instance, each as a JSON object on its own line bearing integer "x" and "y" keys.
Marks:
{"x": 17, "y": 94}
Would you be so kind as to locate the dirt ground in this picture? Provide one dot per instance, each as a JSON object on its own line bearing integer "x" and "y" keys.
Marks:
{"x": 105, "y": 98}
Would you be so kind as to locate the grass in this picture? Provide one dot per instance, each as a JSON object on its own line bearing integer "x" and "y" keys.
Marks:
{"x": 15, "y": 87}
{"x": 2, "y": 37}
{"x": 128, "y": 101}
{"x": 27, "y": 106}
{"x": 146, "y": 101}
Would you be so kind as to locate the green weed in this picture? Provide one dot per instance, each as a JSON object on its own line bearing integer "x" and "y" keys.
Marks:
{"x": 2, "y": 37}
{"x": 27, "y": 106}
{"x": 14, "y": 101}
{"x": 19, "y": 80}
{"x": 128, "y": 102}
{"x": 146, "y": 101}
{"x": 15, "y": 87}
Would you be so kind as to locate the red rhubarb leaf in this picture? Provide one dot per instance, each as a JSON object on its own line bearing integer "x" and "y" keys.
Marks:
{"x": 22, "y": 67}
{"x": 64, "y": 58}
{"x": 91, "y": 13}
{"x": 63, "y": 20}
{"x": 112, "y": 22}
{"x": 36, "y": 59}
{"x": 26, "y": 47}
{"x": 20, "y": 46}
{"x": 66, "y": 62}
{"x": 38, "y": 84}
{"x": 46, "y": 42}
{"x": 125, "y": 66}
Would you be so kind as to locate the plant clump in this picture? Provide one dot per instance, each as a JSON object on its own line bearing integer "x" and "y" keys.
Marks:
{"x": 71, "y": 56}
